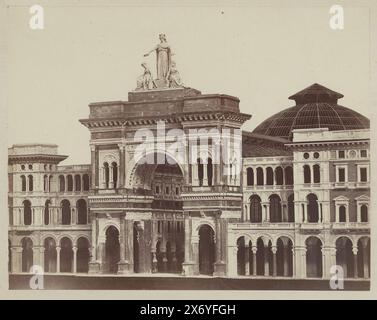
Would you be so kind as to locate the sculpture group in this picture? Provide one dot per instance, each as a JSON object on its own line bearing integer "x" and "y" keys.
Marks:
{"x": 167, "y": 73}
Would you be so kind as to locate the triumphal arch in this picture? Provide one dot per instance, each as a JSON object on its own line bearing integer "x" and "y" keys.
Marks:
{"x": 165, "y": 176}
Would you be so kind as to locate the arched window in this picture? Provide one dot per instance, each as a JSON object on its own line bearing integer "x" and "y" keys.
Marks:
{"x": 279, "y": 176}
{"x": 27, "y": 213}
{"x": 49, "y": 184}
{"x": 106, "y": 174}
{"x": 342, "y": 214}
{"x": 306, "y": 174}
{"x": 260, "y": 177}
{"x": 291, "y": 208}
{"x": 209, "y": 171}
{"x": 255, "y": 209}
{"x": 249, "y": 176}
{"x": 69, "y": 183}
{"x": 200, "y": 171}
{"x": 46, "y": 213}
{"x": 275, "y": 209}
{"x": 77, "y": 182}
{"x": 23, "y": 183}
{"x": 114, "y": 167}
{"x": 85, "y": 179}
{"x": 66, "y": 212}
{"x": 61, "y": 183}
{"x": 82, "y": 213}
{"x": 364, "y": 213}
{"x": 270, "y": 176}
{"x": 288, "y": 171}
{"x": 45, "y": 183}
{"x": 31, "y": 184}
{"x": 313, "y": 214}
{"x": 316, "y": 174}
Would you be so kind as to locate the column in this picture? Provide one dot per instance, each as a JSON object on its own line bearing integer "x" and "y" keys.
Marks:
{"x": 255, "y": 176}
{"x": 311, "y": 174}
{"x": 58, "y": 259}
{"x": 122, "y": 165}
{"x": 336, "y": 213}
{"x": 274, "y": 264}
{"x": 304, "y": 215}
{"x": 41, "y": 257}
{"x": 111, "y": 176}
{"x": 355, "y": 262}
{"x": 73, "y": 216}
{"x": 93, "y": 166}
{"x": 268, "y": 212}
{"x": 265, "y": 175}
{"x": 254, "y": 250}
{"x": 246, "y": 216}
{"x": 65, "y": 183}
{"x": 247, "y": 260}
{"x": 232, "y": 261}
{"x": 74, "y": 259}
{"x": 205, "y": 178}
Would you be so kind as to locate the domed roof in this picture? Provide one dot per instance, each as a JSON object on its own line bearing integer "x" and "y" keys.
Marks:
{"x": 316, "y": 107}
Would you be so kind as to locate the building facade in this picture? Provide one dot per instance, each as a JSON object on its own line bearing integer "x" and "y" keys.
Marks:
{"x": 297, "y": 206}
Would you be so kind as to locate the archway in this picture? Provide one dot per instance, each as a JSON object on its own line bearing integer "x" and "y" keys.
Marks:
{"x": 363, "y": 257}
{"x": 284, "y": 257}
{"x": 27, "y": 254}
{"x": 255, "y": 209}
{"x": 206, "y": 250}
{"x": 112, "y": 249}
{"x": 66, "y": 255}
{"x": 275, "y": 209}
{"x": 28, "y": 218}
{"x": 82, "y": 212}
{"x": 241, "y": 256}
{"x": 66, "y": 212}
{"x": 313, "y": 257}
{"x": 50, "y": 255}
{"x": 344, "y": 256}
{"x": 82, "y": 255}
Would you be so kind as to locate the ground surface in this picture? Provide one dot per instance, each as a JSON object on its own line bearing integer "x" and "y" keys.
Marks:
{"x": 166, "y": 282}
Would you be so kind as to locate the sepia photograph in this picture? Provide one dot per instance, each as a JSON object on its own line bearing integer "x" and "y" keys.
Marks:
{"x": 175, "y": 146}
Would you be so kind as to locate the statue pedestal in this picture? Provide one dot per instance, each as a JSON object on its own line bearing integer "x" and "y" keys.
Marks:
{"x": 161, "y": 83}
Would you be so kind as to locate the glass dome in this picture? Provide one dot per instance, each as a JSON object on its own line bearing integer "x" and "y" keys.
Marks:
{"x": 316, "y": 107}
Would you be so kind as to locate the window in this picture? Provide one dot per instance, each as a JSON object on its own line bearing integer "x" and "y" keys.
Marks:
{"x": 200, "y": 172}
{"x": 22, "y": 167}
{"x": 306, "y": 155}
{"x": 364, "y": 213}
{"x": 30, "y": 166}
{"x": 316, "y": 155}
{"x": 114, "y": 166}
{"x": 23, "y": 183}
{"x": 363, "y": 174}
{"x": 85, "y": 178}
{"x": 209, "y": 171}
{"x": 69, "y": 183}
{"x": 341, "y": 154}
{"x": 341, "y": 174}
{"x": 167, "y": 190}
{"x": 157, "y": 189}
{"x": 342, "y": 213}
{"x": 27, "y": 213}
{"x": 363, "y": 153}
{"x": 107, "y": 175}
{"x": 177, "y": 191}
{"x": 306, "y": 174}
{"x": 30, "y": 177}
{"x": 316, "y": 174}
{"x": 47, "y": 213}
{"x": 260, "y": 177}
{"x": 249, "y": 176}
{"x": 255, "y": 209}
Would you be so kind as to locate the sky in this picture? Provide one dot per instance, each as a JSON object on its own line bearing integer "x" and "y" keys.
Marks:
{"x": 259, "y": 53}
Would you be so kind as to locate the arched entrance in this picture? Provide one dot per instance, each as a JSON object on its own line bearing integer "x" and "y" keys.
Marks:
{"x": 344, "y": 256}
{"x": 112, "y": 248}
{"x": 313, "y": 257}
{"x": 82, "y": 255}
{"x": 284, "y": 257}
{"x": 363, "y": 257}
{"x": 50, "y": 255}
{"x": 206, "y": 250}
{"x": 241, "y": 256}
{"x": 27, "y": 254}
{"x": 66, "y": 255}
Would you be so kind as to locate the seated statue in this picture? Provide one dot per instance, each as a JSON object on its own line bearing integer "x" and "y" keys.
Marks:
{"x": 145, "y": 81}
{"x": 174, "y": 77}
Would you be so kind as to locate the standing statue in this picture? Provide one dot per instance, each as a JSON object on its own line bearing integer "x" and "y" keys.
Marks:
{"x": 163, "y": 55}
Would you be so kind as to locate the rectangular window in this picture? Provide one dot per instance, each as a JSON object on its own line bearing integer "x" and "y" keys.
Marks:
{"x": 157, "y": 189}
{"x": 341, "y": 175}
{"x": 363, "y": 175}
{"x": 167, "y": 190}
{"x": 341, "y": 154}
{"x": 363, "y": 153}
